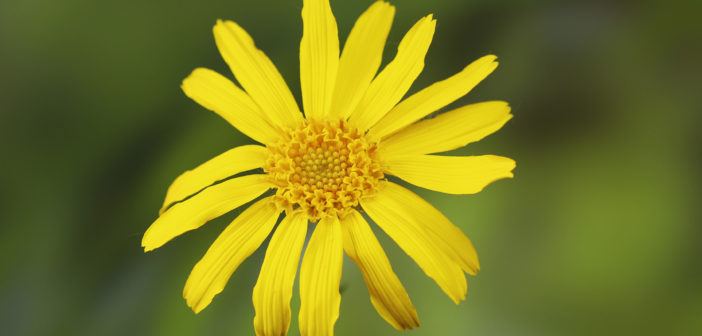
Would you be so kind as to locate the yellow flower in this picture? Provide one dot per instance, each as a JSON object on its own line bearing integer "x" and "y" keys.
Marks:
{"x": 329, "y": 165}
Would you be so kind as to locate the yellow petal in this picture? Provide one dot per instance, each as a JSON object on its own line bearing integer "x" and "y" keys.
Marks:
{"x": 448, "y": 130}
{"x": 393, "y": 82}
{"x": 218, "y": 94}
{"x": 320, "y": 274}
{"x": 236, "y": 243}
{"x": 361, "y": 57}
{"x": 445, "y": 235}
{"x": 206, "y": 205}
{"x": 434, "y": 97}
{"x": 450, "y": 174}
{"x": 229, "y": 163}
{"x": 256, "y": 74}
{"x": 319, "y": 57}
{"x": 387, "y": 293}
{"x": 273, "y": 290}
{"x": 407, "y": 232}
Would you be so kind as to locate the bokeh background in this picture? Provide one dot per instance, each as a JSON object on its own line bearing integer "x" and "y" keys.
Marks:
{"x": 598, "y": 234}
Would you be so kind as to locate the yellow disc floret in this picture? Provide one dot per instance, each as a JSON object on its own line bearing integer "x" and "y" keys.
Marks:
{"x": 323, "y": 168}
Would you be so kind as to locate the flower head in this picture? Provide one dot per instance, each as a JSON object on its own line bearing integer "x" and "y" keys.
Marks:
{"x": 323, "y": 169}
{"x": 329, "y": 166}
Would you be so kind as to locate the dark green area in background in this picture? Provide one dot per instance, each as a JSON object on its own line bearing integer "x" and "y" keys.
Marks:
{"x": 598, "y": 234}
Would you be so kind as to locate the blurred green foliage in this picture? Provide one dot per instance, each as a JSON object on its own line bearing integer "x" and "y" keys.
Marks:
{"x": 598, "y": 234}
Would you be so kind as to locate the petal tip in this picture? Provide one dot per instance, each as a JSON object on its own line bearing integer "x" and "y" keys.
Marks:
{"x": 219, "y": 23}
{"x": 457, "y": 299}
{"x": 429, "y": 19}
{"x": 197, "y": 308}
{"x": 382, "y": 5}
{"x": 512, "y": 164}
{"x": 489, "y": 58}
{"x": 147, "y": 247}
{"x": 488, "y": 62}
{"x": 195, "y": 304}
{"x": 147, "y": 242}
{"x": 222, "y": 24}
{"x": 150, "y": 241}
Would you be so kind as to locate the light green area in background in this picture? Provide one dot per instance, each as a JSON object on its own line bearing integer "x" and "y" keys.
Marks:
{"x": 598, "y": 234}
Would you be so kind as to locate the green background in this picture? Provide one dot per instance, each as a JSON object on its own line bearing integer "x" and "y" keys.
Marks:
{"x": 598, "y": 234}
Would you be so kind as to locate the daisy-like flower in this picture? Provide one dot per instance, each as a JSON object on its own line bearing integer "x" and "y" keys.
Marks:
{"x": 330, "y": 165}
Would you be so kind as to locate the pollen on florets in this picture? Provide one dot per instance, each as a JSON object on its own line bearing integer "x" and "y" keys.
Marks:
{"x": 322, "y": 169}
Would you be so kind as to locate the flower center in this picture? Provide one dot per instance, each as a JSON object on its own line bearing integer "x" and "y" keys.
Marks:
{"x": 323, "y": 169}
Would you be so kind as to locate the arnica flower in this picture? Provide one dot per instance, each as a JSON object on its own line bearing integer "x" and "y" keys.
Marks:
{"x": 329, "y": 166}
